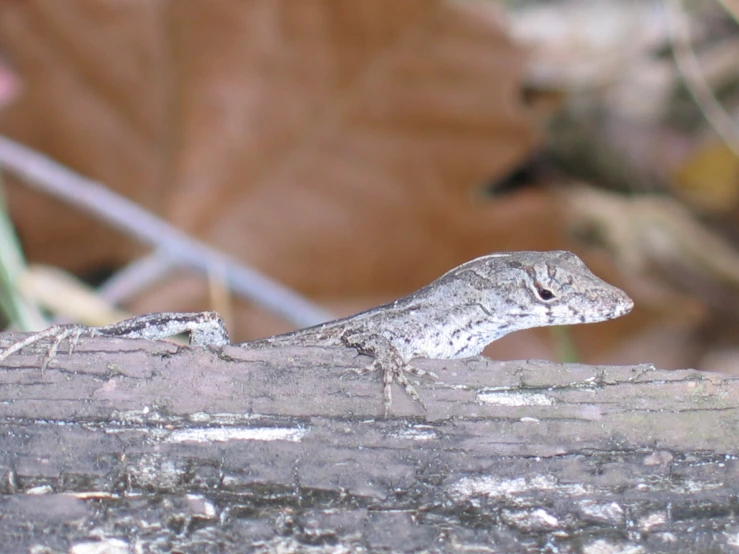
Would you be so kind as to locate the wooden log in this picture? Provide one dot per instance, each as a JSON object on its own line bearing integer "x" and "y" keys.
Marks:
{"x": 149, "y": 446}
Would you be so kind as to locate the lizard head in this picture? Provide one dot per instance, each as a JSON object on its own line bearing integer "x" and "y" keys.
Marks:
{"x": 520, "y": 290}
{"x": 557, "y": 288}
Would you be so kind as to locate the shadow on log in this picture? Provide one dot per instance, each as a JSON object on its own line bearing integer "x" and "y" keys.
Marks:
{"x": 152, "y": 447}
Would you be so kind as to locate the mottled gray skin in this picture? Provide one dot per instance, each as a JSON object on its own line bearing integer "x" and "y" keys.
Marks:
{"x": 455, "y": 316}
{"x": 476, "y": 303}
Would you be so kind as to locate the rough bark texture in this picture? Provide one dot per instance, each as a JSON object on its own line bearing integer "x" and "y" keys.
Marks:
{"x": 151, "y": 447}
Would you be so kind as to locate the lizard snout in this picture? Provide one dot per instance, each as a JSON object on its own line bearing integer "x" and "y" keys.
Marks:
{"x": 624, "y": 305}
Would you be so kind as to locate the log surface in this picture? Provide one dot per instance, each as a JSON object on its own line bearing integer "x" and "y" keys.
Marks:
{"x": 153, "y": 447}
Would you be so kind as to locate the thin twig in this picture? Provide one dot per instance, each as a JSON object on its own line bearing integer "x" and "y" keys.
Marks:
{"x": 689, "y": 68}
{"x": 52, "y": 178}
{"x": 136, "y": 277}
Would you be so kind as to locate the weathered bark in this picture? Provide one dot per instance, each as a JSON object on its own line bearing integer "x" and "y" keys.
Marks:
{"x": 159, "y": 447}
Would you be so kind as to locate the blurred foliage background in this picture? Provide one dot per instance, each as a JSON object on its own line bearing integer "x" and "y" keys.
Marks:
{"x": 354, "y": 150}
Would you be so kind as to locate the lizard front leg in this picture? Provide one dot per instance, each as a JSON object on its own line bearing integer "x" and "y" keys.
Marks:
{"x": 388, "y": 360}
{"x": 204, "y": 328}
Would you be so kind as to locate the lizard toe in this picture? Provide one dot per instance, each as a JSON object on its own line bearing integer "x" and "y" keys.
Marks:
{"x": 421, "y": 372}
{"x": 400, "y": 377}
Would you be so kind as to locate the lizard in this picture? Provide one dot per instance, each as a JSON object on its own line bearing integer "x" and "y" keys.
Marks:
{"x": 455, "y": 316}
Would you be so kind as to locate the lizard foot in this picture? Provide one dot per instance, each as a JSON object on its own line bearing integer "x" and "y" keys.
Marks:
{"x": 205, "y": 329}
{"x": 396, "y": 373}
{"x": 389, "y": 361}
{"x": 420, "y": 372}
{"x": 57, "y": 333}
{"x": 406, "y": 367}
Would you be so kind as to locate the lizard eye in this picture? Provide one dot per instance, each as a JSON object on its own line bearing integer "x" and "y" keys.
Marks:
{"x": 544, "y": 294}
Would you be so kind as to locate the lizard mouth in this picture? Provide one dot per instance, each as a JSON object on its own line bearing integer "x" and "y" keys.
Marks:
{"x": 624, "y": 307}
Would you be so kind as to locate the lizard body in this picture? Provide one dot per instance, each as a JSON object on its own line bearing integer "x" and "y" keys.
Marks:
{"x": 455, "y": 316}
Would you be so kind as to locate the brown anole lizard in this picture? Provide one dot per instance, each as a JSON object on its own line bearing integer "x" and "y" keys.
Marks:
{"x": 455, "y": 316}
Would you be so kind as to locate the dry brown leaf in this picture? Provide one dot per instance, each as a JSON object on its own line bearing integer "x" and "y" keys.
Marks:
{"x": 339, "y": 146}
{"x": 361, "y": 166}
{"x": 93, "y": 98}
{"x": 329, "y": 143}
